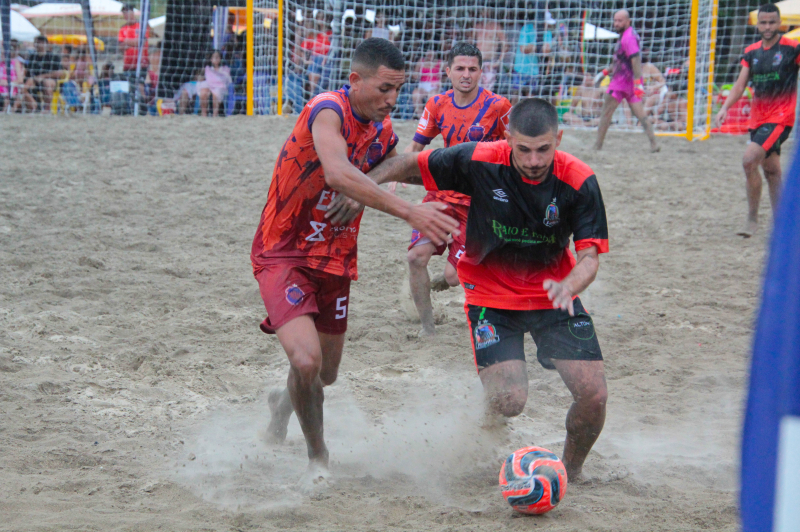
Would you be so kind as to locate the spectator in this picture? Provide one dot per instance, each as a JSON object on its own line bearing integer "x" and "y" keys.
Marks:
{"x": 429, "y": 73}
{"x": 526, "y": 61}
{"x": 24, "y": 100}
{"x": 655, "y": 86}
{"x": 380, "y": 30}
{"x": 44, "y": 68}
{"x": 218, "y": 77}
{"x": 129, "y": 41}
{"x": 586, "y": 105}
{"x": 66, "y": 54}
{"x": 490, "y": 39}
{"x": 317, "y": 44}
{"x": 7, "y": 78}
{"x": 671, "y": 113}
{"x": 104, "y": 84}
{"x": 188, "y": 91}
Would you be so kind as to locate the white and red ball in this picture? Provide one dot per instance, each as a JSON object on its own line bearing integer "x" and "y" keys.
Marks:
{"x": 533, "y": 480}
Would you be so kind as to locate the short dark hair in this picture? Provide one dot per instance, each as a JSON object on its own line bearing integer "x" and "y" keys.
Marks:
{"x": 127, "y": 7}
{"x": 376, "y": 52}
{"x": 533, "y": 117}
{"x": 40, "y": 38}
{"x": 769, "y": 8}
{"x": 464, "y": 49}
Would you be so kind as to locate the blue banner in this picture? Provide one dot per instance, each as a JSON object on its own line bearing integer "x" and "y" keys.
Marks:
{"x": 773, "y": 406}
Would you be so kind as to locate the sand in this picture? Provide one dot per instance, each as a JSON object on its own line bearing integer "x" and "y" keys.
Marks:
{"x": 134, "y": 378}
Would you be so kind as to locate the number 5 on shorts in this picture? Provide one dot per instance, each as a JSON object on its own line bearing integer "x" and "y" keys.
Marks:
{"x": 341, "y": 306}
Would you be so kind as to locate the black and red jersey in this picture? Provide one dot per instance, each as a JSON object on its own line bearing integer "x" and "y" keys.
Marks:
{"x": 773, "y": 76}
{"x": 518, "y": 230}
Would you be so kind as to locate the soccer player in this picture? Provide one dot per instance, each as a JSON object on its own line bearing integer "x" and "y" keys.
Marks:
{"x": 626, "y": 81}
{"x": 465, "y": 113}
{"x": 303, "y": 262}
{"x": 518, "y": 272}
{"x": 771, "y": 66}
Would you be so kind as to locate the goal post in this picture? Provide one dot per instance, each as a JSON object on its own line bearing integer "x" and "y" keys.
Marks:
{"x": 531, "y": 48}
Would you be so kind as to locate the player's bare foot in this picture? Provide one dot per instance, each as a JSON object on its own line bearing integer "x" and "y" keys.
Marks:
{"x": 316, "y": 477}
{"x": 439, "y": 283}
{"x": 749, "y": 229}
{"x": 655, "y": 148}
{"x": 280, "y": 407}
{"x": 597, "y": 147}
{"x": 427, "y": 332}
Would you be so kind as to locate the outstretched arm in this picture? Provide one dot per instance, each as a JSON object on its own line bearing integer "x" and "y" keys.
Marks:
{"x": 403, "y": 169}
{"x": 581, "y": 276}
{"x": 346, "y": 179}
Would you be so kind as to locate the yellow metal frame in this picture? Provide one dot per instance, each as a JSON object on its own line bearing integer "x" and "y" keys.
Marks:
{"x": 279, "y": 104}
{"x": 250, "y": 58}
{"x": 692, "y": 70}
{"x": 712, "y": 58}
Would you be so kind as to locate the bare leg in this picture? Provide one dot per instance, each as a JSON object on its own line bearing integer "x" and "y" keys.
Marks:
{"x": 505, "y": 387}
{"x": 215, "y": 102}
{"x": 638, "y": 111}
{"x": 754, "y": 156}
{"x": 314, "y": 360}
{"x": 609, "y": 106}
{"x": 451, "y": 274}
{"x": 586, "y": 417}
{"x": 420, "y": 282}
{"x": 772, "y": 173}
{"x": 204, "y": 101}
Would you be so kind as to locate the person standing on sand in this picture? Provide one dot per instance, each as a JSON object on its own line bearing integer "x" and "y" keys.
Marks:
{"x": 626, "y": 82}
{"x": 771, "y": 65}
{"x": 465, "y": 113}
{"x": 518, "y": 272}
{"x": 304, "y": 252}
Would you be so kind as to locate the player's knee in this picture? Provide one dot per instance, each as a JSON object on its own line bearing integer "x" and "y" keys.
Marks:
{"x": 328, "y": 375}
{"x": 418, "y": 257}
{"x": 508, "y": 403}
{"x": 750, "y": 162}
{"x": 451, "y": 275}
{"x": 306, "y": 365}
{"x": 594, "y": 398}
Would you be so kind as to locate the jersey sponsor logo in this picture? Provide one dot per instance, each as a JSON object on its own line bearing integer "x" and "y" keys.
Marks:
{"x": 517, "y": 235}
{"x": 460, "y": 253}
{"x": 294, "y": 294}
{"x": 485, "y": 335}
{"x": 316, "y": 236}
{"x": 551, "y": 214}
{"x": 476, "y": 133}
{"x": 469, "y": 286}
{"x": 325, "y": 195}
{"x": 763, "y": 78}
{"x": 500, "y": 195}
{"x": 776, "y": 59}
{"x": 423, "y": 121}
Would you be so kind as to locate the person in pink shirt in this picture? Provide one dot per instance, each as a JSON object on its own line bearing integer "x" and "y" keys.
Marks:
{"x": 626, "y": 82}
{"x": 429, "y": 73}
{"x": 218, "y": 77}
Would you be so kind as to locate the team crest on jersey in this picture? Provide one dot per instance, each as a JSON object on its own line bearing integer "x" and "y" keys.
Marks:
{"x": 476, "y": 133}
{"x": 374, "y": 152}
{"x": 551, "y": 214}
{"x": 485, "y": 335}
{"x": 294, "y": 294}
{"x": 777, "y": 58}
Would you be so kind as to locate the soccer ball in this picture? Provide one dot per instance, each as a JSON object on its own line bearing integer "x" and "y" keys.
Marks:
{"x": 533, "y": 480}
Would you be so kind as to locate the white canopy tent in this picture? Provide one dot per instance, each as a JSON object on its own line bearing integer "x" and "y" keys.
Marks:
{"x": 595, "y": 33}
{"x": 21, "y": 29}
{"x": 98, "y": 8}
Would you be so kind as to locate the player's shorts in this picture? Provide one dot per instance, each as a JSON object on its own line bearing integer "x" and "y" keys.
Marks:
{"x": 292, "y": 291}
{"x": 497, "y": 335}
{"x": 456, "y": 247}
{"x": 620, "y": 95}
{"x": 770, "y": 137}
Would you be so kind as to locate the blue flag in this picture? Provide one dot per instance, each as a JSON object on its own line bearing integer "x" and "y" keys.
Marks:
{"x": 770, "y": 482}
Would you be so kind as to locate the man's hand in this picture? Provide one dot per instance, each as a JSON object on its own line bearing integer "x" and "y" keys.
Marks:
{"x": 343, "y": 210}
{"x": 560, "y": 295}
{"x": 428, "y": 219}
{"x": 720, "y": 118}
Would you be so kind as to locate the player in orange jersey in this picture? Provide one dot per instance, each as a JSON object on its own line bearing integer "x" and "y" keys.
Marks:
{"x": 465, "y": 113}
{"x": 771, "y": 67}
{"x": 303, "y": 262}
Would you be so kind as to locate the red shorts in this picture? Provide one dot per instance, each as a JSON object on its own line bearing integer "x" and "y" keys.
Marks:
{"x": 292, "y": 291}
{"x": 456, "y": 247}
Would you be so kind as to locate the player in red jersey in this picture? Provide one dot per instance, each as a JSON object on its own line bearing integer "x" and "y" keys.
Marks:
{"x": 302, "y": 261}
{"x": 518, "y": 272}
{"x": 465, "y": 113}
{"x": 771, "y": 65}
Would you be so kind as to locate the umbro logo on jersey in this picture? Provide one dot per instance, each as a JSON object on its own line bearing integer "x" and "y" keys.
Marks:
{"x": 500, "y": 195}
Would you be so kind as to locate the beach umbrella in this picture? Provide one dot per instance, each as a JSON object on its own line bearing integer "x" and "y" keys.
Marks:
{"x": 790, "y": 13}
{"x": 57, "y": 18}
{"x": 21, "y": 29}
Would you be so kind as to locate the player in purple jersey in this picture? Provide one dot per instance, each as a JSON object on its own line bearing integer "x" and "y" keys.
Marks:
{"x": 626, "y": 82}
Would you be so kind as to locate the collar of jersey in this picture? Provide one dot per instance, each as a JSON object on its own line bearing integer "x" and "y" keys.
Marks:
{"x": 453, "y": 99}
{"x": 346, "y": 89}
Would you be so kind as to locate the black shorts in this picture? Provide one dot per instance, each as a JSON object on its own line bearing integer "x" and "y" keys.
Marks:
{"x": 770, "y": 137}
{"x": 497, "y": 335}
